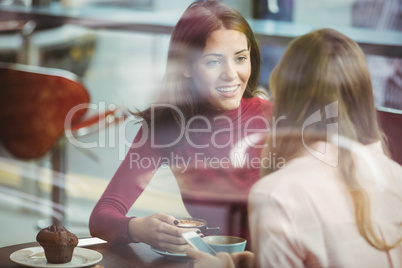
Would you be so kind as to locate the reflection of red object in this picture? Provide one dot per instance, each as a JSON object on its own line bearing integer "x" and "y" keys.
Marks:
{"x": 34, "y": 103}
{"x": 33, "y": 107}
{"x": 390, "y": 121}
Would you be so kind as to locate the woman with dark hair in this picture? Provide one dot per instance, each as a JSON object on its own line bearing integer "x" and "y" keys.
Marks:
{"x": 204, "y": 126}
{"x": 338, "y": 202}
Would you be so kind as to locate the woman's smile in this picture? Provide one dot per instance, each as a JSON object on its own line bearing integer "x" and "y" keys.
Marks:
{"x": 228, "y": 90}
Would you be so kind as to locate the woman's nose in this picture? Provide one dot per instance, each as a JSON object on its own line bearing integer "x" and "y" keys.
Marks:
{"x": 228, "y": 72}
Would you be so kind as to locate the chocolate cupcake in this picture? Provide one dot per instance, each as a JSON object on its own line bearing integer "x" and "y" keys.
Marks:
{"x": 58, "y": 243}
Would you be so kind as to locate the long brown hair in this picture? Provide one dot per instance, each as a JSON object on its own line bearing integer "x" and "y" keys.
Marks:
{"x": 187, "y": 41}
{"x": 318, "y": 70}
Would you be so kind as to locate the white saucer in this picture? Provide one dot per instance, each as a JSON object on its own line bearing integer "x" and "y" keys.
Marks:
{"x": 174, "y": 256}
{"x": 35, "y": 257}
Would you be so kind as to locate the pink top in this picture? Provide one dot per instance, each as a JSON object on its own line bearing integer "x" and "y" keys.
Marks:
{"x": 215, "y": 159}
{"x": 302, "y": 215}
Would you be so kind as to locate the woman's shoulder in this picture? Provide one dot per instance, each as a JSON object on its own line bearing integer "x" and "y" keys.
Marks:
{"x": 295, "y": 177}
{"x": 377, "y": 164}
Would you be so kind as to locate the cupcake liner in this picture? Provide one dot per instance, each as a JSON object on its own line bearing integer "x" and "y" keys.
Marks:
{"x": 58, "y": 254}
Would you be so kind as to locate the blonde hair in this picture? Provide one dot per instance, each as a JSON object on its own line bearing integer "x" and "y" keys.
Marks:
{"x": 318, "y": 69}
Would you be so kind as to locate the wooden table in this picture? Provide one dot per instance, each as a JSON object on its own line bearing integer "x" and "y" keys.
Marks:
{"x": 132, "y": 255}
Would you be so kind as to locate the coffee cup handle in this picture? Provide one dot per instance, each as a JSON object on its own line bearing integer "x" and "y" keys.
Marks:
{"x": 214, "y": 229}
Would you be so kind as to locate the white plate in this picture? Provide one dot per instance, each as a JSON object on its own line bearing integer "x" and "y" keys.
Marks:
{"x": 35, "y": 257}
{"x": 174, "y": 256}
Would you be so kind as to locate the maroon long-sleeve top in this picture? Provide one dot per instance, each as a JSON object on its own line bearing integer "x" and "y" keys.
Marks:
{"x": 215, "y": 157}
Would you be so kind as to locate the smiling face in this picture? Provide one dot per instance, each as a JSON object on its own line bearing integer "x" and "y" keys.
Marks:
{"x": 222, "y": 71}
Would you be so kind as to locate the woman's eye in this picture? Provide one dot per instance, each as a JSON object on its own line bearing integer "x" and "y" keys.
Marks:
{"x": 212, "y": 63}
{"x": 241, "y": 59}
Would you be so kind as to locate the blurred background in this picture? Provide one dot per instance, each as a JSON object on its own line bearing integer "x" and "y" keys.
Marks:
{"x": 117, "y": 50}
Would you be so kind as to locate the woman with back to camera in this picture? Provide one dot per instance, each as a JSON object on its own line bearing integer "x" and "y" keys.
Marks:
{"x": 208, "y": 106}
{"x": 338, "y": 201}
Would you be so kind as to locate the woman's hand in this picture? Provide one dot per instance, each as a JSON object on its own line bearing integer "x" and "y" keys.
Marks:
{"x": 244, "y": 259}
{"x": 159, "y": 231}
{"x": 205, "y": 260}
